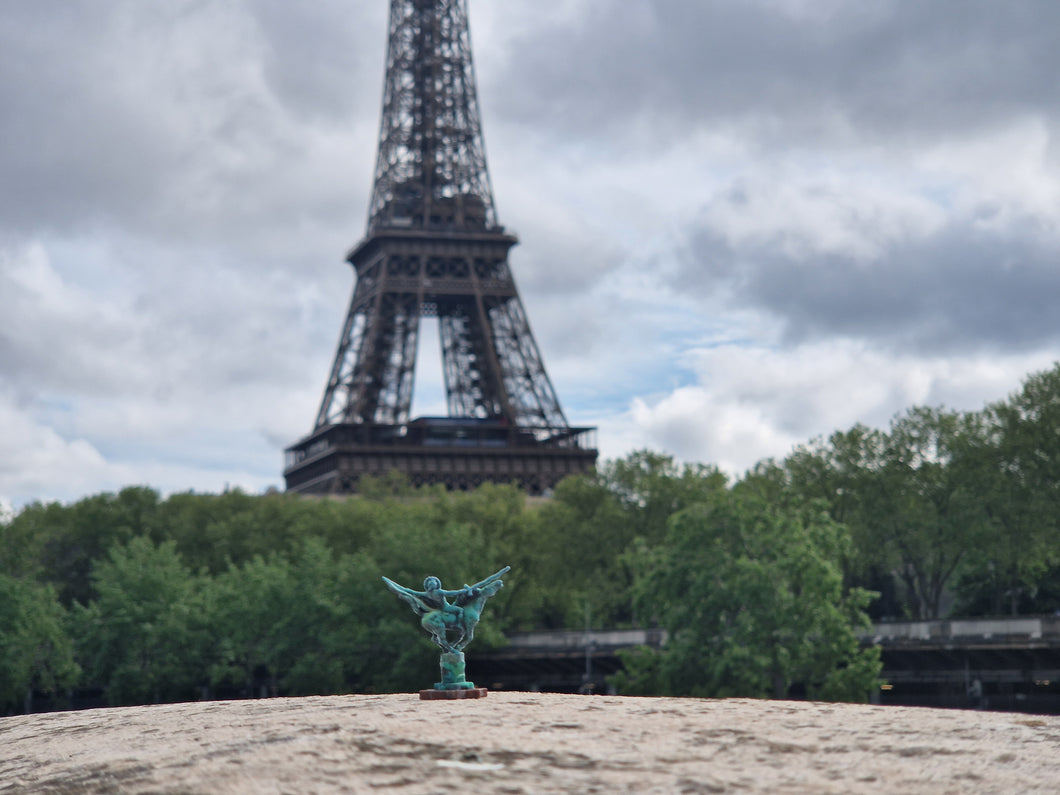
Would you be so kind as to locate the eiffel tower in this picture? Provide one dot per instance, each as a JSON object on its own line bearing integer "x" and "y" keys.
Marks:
{"x": 434, "y": 247}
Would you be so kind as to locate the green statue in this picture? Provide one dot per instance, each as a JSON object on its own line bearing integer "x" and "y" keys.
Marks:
{"x": 450, "y": 624}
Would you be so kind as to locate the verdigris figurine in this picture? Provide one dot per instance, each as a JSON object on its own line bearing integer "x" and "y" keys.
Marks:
{"x": 451, "y": 625}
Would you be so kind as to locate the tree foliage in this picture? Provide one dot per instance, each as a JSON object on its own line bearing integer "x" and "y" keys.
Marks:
{"x": 752, "y": 598}
{"x": 143, "y": 636}
{"x": 36, "y": 652}
{"x": 1018, "y": 486}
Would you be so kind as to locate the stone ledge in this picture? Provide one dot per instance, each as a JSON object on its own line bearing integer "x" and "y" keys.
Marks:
{"x": 526, "y": 743}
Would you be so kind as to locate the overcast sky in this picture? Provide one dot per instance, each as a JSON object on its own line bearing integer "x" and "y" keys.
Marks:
{"x": 743, "y": 224}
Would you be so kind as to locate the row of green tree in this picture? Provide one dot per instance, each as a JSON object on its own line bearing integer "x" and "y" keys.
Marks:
{"x": 197, "y": 595}
{"x": 949, "y": 512}
{"x": 763, "y": 583}
{"x": 160, "y": 600}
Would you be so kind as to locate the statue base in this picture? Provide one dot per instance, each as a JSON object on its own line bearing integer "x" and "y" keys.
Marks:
{"x": 453, "y": 684}
{"x": 452, "y": 666}
{"x": 446, "y": 695}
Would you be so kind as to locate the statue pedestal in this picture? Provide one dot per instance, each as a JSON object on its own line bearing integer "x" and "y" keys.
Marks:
{"x": 447, "y": 695}
{"x": 453, "y": 684}
{"x": 452, "y": 665}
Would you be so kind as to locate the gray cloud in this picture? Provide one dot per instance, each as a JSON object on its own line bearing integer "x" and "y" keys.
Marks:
{"x": 178, "y": 120}
{"x": 324, "y": 60}
{"x": 960, "y": 288}
{"x": 785, "y": 71}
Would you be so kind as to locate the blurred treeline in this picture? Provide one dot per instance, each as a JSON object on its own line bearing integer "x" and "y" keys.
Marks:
{"x": 762, "y": 583}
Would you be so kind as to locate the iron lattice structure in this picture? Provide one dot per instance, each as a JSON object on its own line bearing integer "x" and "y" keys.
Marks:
{"x": 434, "y": 247}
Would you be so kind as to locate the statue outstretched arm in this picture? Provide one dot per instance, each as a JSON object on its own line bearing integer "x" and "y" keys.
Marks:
{"x": 470, "y": 591}
{"x": 492, "y": 578}
{"x": 451, "y": 594}
{"x": 488, "y": 586}
{"x": 413, "y": 598}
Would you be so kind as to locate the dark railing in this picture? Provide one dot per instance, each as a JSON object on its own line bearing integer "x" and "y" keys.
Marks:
{"x": 440, "y": 432}
{"x": 1003, "y": 663}
{"x": 1017, "y": 629}
{"x": 1020, "y": 629}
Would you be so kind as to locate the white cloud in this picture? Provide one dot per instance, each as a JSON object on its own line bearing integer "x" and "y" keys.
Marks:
{"x": 57, "y": 335}
{"x": 751, "y": 403}
{"x": 35, "y": 460}
{"x": 198, "y": 386}
{"x": 38, "y": 462}
{"x": 1001, "y": 175}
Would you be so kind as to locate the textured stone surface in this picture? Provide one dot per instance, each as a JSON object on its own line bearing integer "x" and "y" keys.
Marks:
{"x": 527, "y": 743}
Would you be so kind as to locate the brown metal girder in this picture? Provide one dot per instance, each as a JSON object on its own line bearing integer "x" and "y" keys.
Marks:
{"x": 436, "y": 287}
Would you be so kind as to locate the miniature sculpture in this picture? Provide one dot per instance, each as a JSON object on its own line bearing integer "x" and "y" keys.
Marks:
{"x": 440, "y": 618}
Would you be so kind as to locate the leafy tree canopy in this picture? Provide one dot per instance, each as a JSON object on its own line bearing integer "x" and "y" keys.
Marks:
{"x": 752, "y": 599}
{"x": 35, "y": 652}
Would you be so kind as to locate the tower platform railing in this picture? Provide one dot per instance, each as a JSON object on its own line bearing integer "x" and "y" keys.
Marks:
{"x": 460, "y": 453}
